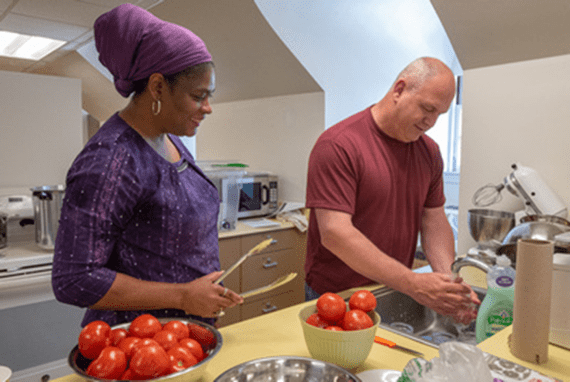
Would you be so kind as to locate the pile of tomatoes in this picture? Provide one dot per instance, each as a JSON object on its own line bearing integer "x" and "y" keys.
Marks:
{"x": 332, "y": 312}
{"x": 147, "y": 349}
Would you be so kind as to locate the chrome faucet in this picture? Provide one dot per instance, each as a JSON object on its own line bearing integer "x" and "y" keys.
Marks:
{"x": 470, "y": 260}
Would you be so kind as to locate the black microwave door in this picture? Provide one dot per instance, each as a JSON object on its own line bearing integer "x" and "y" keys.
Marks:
{"x": 250, "y": 197}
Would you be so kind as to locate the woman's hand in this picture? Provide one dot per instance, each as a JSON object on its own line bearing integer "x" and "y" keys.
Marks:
{"x": 201, "y": 297}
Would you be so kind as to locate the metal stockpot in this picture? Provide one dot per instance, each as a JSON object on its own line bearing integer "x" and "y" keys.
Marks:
{"x": 47, "y": 210}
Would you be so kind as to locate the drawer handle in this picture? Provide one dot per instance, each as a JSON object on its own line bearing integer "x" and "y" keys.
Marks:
{"x": 269, "y": 308}
{"x": 269, "y": 263}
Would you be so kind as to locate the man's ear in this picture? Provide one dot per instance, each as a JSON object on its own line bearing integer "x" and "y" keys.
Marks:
{"x": 399, "y": 87}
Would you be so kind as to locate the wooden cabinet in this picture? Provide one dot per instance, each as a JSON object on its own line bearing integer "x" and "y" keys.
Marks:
{"x": 279, "y": 259}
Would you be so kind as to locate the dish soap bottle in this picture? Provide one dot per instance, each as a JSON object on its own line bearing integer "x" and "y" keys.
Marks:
{"x": 496, "y": 310}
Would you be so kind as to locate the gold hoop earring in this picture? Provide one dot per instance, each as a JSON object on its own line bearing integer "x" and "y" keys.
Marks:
{"x": 156, "y": 109}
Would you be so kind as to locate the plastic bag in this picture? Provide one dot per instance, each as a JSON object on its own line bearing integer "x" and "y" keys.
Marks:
{"x": 457, "y": 362}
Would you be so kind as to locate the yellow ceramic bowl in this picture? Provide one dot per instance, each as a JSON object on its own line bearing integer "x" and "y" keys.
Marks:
{"x": 347, "y": 349}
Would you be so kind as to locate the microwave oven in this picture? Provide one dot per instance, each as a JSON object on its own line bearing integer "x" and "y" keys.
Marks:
{"x": 258, "y": 191}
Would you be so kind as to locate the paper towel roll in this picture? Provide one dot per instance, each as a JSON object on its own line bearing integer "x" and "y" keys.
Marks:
{"x": 531, "y": 310}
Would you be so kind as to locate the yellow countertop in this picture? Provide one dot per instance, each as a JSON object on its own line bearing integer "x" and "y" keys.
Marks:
{"x": 280, "y": 333}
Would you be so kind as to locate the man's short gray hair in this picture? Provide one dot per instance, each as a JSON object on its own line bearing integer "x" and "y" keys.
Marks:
{"x": 420, "y": 70}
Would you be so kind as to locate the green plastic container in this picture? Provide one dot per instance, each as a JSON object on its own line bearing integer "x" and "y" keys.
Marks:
{"x": 496, "y": 310}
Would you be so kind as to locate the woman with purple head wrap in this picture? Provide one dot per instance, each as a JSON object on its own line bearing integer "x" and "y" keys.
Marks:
{"x": 138, "y": 227}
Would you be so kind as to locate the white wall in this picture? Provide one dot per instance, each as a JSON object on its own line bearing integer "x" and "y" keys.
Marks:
{"x": 269, "y": 134}
{"x": 518, "y": 112}
{"x": 40, "y": 128}
{"x": 355, "y": 49}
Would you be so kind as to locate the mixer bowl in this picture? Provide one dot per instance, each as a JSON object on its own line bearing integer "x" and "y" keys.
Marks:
{"x": 489, "y": 227}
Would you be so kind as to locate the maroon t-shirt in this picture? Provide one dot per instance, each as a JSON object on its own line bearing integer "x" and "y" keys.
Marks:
{"x": 383, "y": 183}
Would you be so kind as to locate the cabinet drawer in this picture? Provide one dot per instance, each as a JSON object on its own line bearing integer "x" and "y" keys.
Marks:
{"x": 230, "y": 252}
{"x": 269, "y": 304}
{"x": 264, "y": 268}
{"x": 231, "y": 316}
{"x": 284, "y": 240}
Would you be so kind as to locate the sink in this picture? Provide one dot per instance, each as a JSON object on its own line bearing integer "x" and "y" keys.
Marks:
{"x": 403, "y": 315}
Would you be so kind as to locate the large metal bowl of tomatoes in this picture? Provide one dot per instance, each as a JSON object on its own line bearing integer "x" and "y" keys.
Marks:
{"x": 148, "y": 348}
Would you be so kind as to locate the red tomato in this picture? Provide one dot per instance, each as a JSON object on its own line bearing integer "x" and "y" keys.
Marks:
{"x": 316, "y": 320}
{"x": 166, "y": 339}
{"x": 363, "y": 300}
{"x": 204, "y": 337}
{"x": 145, "y": 326}
{"x": 93, "y": 338}
{"x": 111, "y": 364}
{"x": 356, "y": 319}
{"x": 128, "y": 345}
{"x": 334, "y": 328}
{"x": 127, "y": 375}
{"x": 180, "y": 359}
{"x": 178, "y": 327}
{"x": 116, "y": 335}
{"x": 150, "y": 361}
{"x": 144, "y": 342}
{"x": 194, "y": 347}
{"x": 331, "y": 307}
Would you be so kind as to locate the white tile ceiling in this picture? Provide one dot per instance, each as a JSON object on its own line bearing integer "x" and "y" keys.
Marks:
{"x": 67, "y": 20}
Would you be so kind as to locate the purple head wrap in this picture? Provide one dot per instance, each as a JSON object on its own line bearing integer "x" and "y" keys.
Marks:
{"x": 133, "y": 44}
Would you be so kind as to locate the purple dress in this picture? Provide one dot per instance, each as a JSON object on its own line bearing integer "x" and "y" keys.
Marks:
{"x": 127, "y": 209}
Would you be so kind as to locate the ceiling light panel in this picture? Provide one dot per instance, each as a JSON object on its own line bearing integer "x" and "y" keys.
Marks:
{"x": 26, "y": 47}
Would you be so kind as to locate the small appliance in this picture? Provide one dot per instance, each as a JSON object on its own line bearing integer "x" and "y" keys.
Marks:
{"x": 258, "y": 191}
{"x": 528, "y": 185}
{"x": 538, "y": 197}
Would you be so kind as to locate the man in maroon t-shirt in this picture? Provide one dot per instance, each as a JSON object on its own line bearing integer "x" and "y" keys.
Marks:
{"x": 374, "y": 182}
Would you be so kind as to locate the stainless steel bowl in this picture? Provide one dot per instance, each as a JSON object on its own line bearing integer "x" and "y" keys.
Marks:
{"x": 545, "y": 218}
{"x": 489, "y": 227}
{"x": 285, "y": 368}
{"x": 79, "y": 363}
{"x": 537, "y": 230}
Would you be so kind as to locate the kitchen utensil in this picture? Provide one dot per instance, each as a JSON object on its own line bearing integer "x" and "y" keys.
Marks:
{"x": 5, "y": 374}
{"x": 537, "y": 230}
{"x": 255, "y": 250}
{"x": 79, "y": 364}
{"x": 275, "y": 284}
{"x": 348, "y": 348}
{"x": 393, "y": 345}
{"x": 47, "y": 210}
{"x": 545, "y": 218}
{"x": 489, "y": 227}
{"x": 488, "y": 195}
{"x": 286, "y": 368}
{"x": 379, "y": 375}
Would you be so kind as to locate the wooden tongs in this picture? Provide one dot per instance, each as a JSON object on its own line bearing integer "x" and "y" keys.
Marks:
{"x": 255, "y": 250}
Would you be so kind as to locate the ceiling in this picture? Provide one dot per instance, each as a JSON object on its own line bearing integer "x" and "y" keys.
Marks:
{"x": 251, "y": 60}
{"x": 495, "y": 32}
